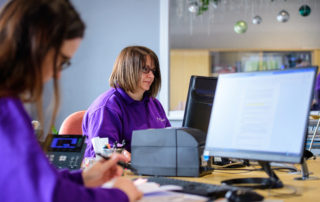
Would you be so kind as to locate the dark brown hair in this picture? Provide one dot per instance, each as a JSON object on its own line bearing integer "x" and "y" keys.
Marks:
{"x": 28, "y": 30}
{"x": 127, "y": 69}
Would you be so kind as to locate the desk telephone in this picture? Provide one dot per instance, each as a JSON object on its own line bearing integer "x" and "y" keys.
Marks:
{"x": 65, "y": 151}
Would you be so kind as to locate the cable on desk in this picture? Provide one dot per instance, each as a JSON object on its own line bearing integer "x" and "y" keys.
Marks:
{"x": 230, "y": 168}
{"x": 247, "y": 170}
{"x": 229, "y": 165}
{"x": 292, "y": 191}
{"x": 285, "y": 169}
{"x": 224, "y": 170}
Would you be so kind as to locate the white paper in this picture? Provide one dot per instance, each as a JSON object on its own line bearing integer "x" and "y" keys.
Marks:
{"x": 98, "y": 144}
{"x": 153, "y": 192}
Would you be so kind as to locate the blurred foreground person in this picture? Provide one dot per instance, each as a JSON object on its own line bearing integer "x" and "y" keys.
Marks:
{"x": 38, "y": 39}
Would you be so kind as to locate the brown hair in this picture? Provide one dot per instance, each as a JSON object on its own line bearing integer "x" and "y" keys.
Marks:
{"x": 127, "y": 69}
{"x": 28, "y": 30}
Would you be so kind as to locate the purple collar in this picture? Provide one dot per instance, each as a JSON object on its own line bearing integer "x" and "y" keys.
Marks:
{"x": 128, "y": 99}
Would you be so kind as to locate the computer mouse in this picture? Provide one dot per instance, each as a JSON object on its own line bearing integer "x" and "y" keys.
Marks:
{"x": 243, "y": 195}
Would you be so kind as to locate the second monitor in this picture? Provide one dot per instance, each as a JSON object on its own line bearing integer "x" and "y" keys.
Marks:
{"x": 199, "y": 102}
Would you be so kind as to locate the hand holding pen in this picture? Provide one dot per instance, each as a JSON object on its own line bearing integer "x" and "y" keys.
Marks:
{"x": 103, "y": 171}
{"x": 120, "y": 163}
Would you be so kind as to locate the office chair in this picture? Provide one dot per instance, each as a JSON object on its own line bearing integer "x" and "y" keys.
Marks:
{"x": 72, "y": 125}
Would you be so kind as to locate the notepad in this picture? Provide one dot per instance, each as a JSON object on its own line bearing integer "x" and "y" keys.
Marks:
{"x": 99, "y": 143}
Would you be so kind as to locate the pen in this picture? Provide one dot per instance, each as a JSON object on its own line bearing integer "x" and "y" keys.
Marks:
{"x": 120, "y": 163}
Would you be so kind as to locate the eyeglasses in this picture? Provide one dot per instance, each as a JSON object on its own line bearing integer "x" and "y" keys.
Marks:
{"x": 66, "y": 62}
{"x": 146, "y": 70}
{"x": 64, "y": 65}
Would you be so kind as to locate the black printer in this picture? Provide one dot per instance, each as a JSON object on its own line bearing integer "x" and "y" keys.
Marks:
{"x": 169, "y": 152}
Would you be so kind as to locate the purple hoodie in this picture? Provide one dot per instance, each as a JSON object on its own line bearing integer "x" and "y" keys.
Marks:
{"x": 114, "y": 114}
{"x": 25, "y": 172}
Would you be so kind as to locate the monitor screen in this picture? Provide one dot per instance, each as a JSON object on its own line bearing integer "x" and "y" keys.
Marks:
{"x": 199, "y": 102}
{"x": 261, "y": 115}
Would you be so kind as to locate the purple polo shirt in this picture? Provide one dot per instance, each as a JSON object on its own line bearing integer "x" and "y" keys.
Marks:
{"x": 114, "y": 114}
{"x": 317, "y": 82}
{"x": 25, "y": 172}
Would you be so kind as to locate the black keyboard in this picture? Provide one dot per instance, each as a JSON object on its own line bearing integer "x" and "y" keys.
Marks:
{"x": 208, "y": 190}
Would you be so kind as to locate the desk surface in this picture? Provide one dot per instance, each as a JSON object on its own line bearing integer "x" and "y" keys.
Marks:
{"x": 293, "y": 190}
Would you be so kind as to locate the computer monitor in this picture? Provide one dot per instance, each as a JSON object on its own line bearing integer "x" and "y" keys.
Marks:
{"x": 261, "y": 116}
{"x": 199, "y": 102}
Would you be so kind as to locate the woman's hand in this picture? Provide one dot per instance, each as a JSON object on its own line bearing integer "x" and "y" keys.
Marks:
{"x": 103, "y": 171}
{"x": 127, "y": 186}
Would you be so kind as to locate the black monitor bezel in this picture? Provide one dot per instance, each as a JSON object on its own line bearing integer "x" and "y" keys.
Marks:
{"x": 188, "y": 118}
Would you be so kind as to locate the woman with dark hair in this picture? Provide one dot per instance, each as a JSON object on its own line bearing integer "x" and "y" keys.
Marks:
{"x": 130, "y": 104}
{"x": 37, "y": 40}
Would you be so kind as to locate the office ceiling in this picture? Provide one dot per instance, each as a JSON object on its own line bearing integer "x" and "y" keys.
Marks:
{"x": 215, "y": 27}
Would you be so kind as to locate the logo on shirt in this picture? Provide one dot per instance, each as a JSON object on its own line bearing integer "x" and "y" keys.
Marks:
{"x": 160, "y": 119}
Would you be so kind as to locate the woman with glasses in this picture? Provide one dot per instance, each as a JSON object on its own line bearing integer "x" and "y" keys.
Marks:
{"x": 38, "y": 38}
{"x": 130, "y": 103}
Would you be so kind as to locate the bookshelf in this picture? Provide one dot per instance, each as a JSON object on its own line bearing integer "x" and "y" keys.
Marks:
{"x": 256, "y": 60}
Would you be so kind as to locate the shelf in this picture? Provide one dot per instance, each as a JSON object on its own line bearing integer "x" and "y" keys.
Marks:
{"x": 316, "y": 141}
{"x": 244, "y": 61}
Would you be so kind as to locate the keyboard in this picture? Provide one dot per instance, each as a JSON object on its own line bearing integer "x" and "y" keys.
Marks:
{"x": 208, "y": 190}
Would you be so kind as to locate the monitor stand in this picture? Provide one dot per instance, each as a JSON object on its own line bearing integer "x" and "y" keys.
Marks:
{"x": 305, "y": 172}
{"x": 257, "y": 183}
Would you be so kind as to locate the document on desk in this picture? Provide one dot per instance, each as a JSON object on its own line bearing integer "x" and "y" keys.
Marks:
{"x": 153, "y": 192}
{"x": 172, "y": 196}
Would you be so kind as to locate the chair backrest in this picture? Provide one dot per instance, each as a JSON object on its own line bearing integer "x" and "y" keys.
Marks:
{"x": 72, "y": 125}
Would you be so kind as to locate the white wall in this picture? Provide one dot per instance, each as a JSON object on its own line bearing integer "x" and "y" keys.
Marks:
{"x": 111, "y": 26}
